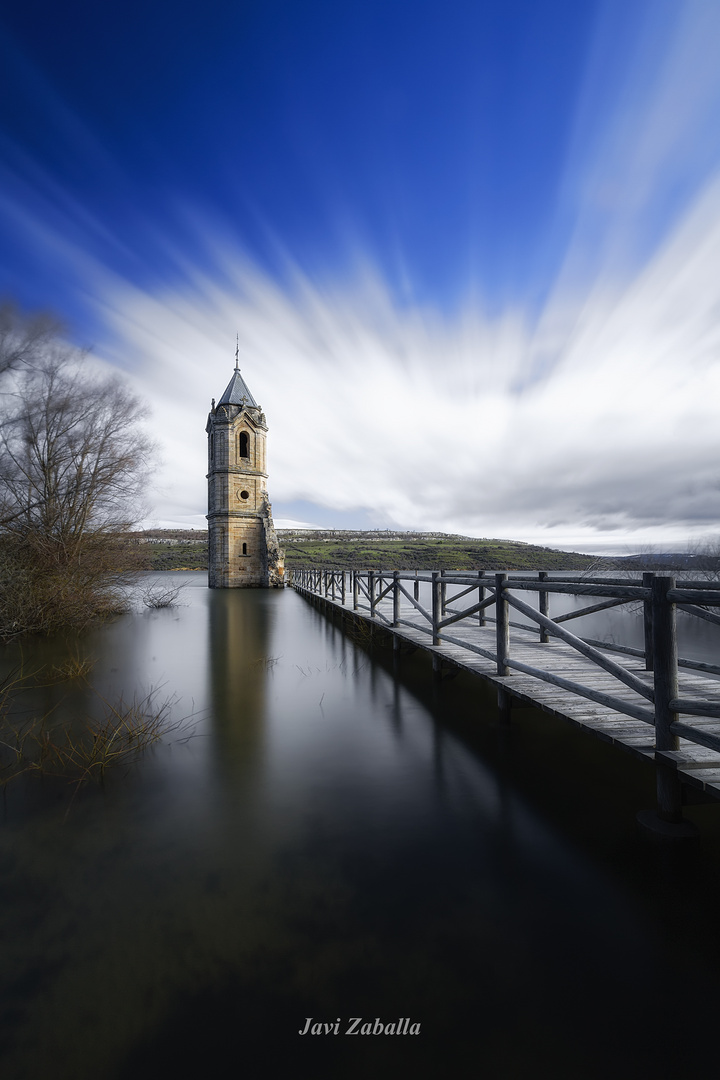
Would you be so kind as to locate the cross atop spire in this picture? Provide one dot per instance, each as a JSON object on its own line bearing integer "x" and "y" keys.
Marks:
{"x": 237, "y": 352}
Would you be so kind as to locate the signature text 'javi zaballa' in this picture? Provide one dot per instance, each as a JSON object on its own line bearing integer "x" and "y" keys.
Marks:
{"x": 356, "y": 1025}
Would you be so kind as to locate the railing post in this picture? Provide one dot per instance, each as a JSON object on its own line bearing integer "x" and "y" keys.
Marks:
{"x": 355, "y": 589}
{"x": 504, "y": 704}
{"x": 416, "y": 587}
{"x": 332, "y": 584}
{"x": 436, "y": 606}
{"x": 396, "y": 597}
{"x": 502, "y": 625}
{"x": 664, "y": 638}
{"x": 647, "y": 580}
{"x": 371, "y": 592}
{"x": 481, "y": 597}
{"x": 343, "y": 588}
{"x": 544, "y": 608}
{"x": 443, "y": 594}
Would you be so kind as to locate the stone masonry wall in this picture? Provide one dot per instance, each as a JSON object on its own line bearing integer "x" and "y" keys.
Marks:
{"x": 243, "y": 546}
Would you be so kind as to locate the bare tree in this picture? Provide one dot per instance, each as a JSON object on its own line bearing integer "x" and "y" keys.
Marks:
{"x": 23, "y": 337}
{"x": 706, "y": 558}
{"x": 73, "y": 465}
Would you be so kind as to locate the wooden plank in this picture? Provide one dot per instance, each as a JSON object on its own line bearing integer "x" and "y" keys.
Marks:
{"x": 688, "y": 759}
{"x": 707, "y": 780}
{"x": 620, "y": 704}
{"x": 586, "y": 650}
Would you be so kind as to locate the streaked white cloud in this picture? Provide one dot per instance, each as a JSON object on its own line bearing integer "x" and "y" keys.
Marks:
{"x": 594, "y": 417}
{"x": 431, "y": 421}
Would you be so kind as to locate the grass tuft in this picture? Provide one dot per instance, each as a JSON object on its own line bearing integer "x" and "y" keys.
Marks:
{"x": 72, "y": 667}
{"x": 157, "y": 597}
{"x": 85, "y": 748}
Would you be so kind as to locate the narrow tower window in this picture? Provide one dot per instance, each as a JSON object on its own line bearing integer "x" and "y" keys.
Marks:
{"x": 244, "y": 549}
{"x": 243, "y": 444}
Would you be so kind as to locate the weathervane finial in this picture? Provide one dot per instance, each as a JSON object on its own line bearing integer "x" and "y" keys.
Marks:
{"x": 237, "y": 352}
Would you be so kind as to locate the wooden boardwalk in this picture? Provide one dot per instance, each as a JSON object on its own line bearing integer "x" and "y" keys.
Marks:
{"x": 620, "y": 702}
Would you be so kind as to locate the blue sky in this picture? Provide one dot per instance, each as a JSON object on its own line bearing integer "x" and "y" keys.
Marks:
{"x": 470, "y": 249}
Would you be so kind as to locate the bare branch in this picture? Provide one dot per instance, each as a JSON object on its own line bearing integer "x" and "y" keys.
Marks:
{"x": 21, "y": 338}
{"x": 74, "y": 462}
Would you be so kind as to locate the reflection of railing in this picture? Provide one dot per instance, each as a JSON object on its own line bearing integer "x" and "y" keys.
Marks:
{"x": 393, "y": 599}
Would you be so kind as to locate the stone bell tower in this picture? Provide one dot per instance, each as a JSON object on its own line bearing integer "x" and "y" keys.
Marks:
{"x": 242, "y": 545}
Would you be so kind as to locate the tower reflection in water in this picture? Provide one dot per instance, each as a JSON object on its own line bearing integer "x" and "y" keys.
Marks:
{"x": 240, "y": 631}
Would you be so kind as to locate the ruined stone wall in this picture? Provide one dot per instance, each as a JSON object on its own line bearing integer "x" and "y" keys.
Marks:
{"x": 275, "y": 554}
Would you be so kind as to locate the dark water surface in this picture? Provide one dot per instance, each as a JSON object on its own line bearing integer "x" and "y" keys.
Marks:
{"x": 326, "y": 840}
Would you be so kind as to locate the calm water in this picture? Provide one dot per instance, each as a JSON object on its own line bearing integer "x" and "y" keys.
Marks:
{"x": 325, "y": 838}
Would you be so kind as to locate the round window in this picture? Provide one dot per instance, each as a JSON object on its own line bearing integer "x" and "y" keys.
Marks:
{"x": 244, "y": 494}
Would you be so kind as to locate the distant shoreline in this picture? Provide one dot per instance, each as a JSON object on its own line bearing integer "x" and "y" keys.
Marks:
{"x": 187, "y": 549}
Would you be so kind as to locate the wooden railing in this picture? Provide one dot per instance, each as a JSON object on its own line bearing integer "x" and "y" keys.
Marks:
{"x": 658, "y": 698}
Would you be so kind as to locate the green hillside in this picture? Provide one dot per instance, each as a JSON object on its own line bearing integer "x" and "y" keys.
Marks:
{"x": 188, "y": 550}
{"x": 451, "y": 553}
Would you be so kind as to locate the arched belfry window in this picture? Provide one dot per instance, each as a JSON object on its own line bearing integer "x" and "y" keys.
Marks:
{"x": 243, "y": 444}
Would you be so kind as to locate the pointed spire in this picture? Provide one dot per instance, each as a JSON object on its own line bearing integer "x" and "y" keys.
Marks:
{"x": 236, "y": 392}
